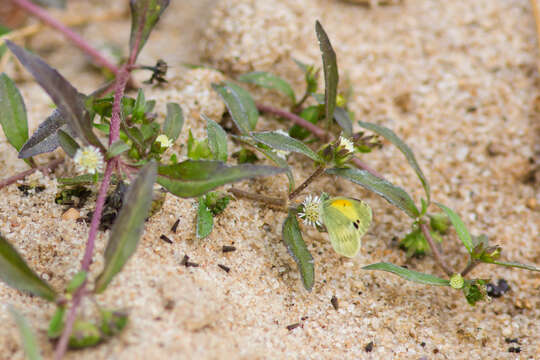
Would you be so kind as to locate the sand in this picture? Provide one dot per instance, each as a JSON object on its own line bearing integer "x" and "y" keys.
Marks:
{"x": 458, "y": 80}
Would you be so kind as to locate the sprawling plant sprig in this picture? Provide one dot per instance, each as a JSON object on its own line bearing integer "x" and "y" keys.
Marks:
{"x": 138, "y": 149}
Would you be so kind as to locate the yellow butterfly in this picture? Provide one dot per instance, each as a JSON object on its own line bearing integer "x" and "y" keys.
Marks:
{"x": 346, "y": 220}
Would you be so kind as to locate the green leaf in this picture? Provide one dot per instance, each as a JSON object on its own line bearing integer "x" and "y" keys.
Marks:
{"x": 406, "y": 150}
{"x": 279, "y": 141}
{"x": 292, "y": 237}
{"x": 174, "y": 121}
{"x": 29, "y": 342}
{"x": 76, "y": 281}
{"x": 56, "y": 325}
{"x": 144, "y": 16}
{"x": 240, "y": 105}
{"x": 117, "y": 148}
{"x": 344, "y": 121}
{"x": 86, "y": 179}
{"x": 129, "y": 225}
{"x": 139, "y": 107}
{"x": 407, "y": 274}
{"x": 68, "y": 100}
{"x": 269, "y": 81}
{"x": 12, "y": 113}
{"x": 515, "y": 265}
{"x": 16, "y": 273}
{"x": 331, "y": 76}
{"x": 460, "y": 227}
{"x": 113, "y": 322}
{"x": 270, "y": 154}
{"x": 205, "y": 220}
{"x": 311, "y": 114}
{"x": 192, "y": 178}
{"x": 217, "y": 139}
{"x": 474, "y": 290}
{"x": 198, "y": 149}
{"x": 60, "y": 4}
{"x": 393, "y": 194}
{"x": 68, "y": 144}
{"x": 84, "y": 334}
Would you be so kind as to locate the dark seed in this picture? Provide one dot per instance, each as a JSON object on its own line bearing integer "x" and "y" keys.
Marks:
{"x": 499, "y": 289}
{"x": 225, "y": 268}
{"x": 422, "y": 344}
{"x": 227, "y": 248}
{"x": 369, "y": 347}
{"x": 185, "y": 260}
{"x": 293, "y": 326}
{"x": 515, "y": 349}
{"x": 175, "y": 226}
{"x": 509, "y": 341}
{"x": 191, "y": 264}
{"x": 304, "y": 318}
{"x": 166, "y": 239}
{"x": 335, "y": 302}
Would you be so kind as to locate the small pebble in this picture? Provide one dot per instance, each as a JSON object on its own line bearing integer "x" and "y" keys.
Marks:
{"x": 71, "y": 214}
{"x": 369, "y": 347}
{"x": 335, "y": 303}
{"x": 532, "y": 203}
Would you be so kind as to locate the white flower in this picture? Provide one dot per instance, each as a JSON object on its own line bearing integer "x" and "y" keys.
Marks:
{"x": 164, "y": 141}
{"x": 282, "y": 154}
{"x": 346, "y": 144}
{"x": 312, "y": 211}
{"x": 89, "y": 159}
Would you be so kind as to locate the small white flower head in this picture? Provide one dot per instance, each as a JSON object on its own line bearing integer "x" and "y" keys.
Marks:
{"x": 282, "y": 154}
{"x": 163, "y": 141}
{"x": 312, "y": 211}
{"x": 89, "y": 160}
{"x": 346, "y": 144}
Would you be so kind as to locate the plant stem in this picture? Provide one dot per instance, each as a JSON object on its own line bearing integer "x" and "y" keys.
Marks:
{"x": 44, "y": 168}
{"x": 471, "y": 265}
{"x": 298, "y": 106}
{"x": 308, "y": 181}
{"x": 435, "y": 250}
{"x": 76, "y": 39}
{"x": 258, "y": 197}
{"x": 315, "y": 130}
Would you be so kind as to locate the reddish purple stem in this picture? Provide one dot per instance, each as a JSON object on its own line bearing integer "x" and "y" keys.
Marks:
{"x": 75, "y": 38}
{"x": 315, "y": 130}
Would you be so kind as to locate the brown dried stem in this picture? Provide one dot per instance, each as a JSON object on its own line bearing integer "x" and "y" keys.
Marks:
{"x": 20, "y": 176}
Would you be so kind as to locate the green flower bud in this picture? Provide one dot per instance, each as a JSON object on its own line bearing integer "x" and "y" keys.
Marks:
{"x": 84, "y": 334}
{"x": 113, "y": 322}
{"x": 456, "y": 281}
{"x": 439, "y": 222}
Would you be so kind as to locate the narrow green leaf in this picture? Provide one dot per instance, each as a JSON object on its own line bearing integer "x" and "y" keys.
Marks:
{"x": 85, "y": 179}
{"x": 392, "y": 193}
{"x": 195, "y": 177}
{"x": 118, "y": 147}
{"x": 68, "y": 144}
{"x": 56, "y": 325}
{"x": 172, "y": 127}
{"x": 406, "y": 150}
{"x": 16, "y": 273}
{"x": 240, "y": 105}
{"x": 217, "y": 139}
{"x": 331, "y": 76}
{"x": 144, "y": 16}
{"x": 12, "y": 113}
{"x": 460, "y": 227}
{"x": 292, "y": 237}
{"x": 279, "y": 141}
{"x": 515, "y": 265}
{"x": 344, "y": 121}
{"x": 407, "y": 274}
{"x": 29, "y": 343}
{"x": 129, "y": 225}
{"x": 205, "y": 221}
{"x": 76, "y": 281}
{"x": 269, "y": 81}
{"x": 68, "y": 100}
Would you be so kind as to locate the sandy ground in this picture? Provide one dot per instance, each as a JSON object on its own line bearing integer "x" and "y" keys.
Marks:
{"x": 453, "y": 78}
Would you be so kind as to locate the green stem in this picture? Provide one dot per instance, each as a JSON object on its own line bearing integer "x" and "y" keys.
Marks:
{"x": 435, "y": 250}
{"x": 319, "y": 171}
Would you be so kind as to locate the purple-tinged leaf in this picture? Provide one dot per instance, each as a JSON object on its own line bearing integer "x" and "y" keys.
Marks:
{"x": 44, "y": 139}
{"x": 129, "y": 225}
{"x": 144, "y": 16}
{"x": 331, "y": 76}
{"x": 68, "y": 100}
{"x": 292, "y": 237}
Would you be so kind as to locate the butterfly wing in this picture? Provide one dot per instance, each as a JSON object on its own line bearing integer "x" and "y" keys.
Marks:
{"x": 346, "y": 220}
